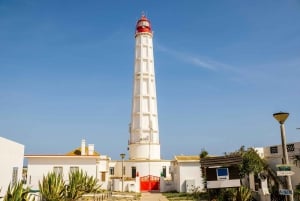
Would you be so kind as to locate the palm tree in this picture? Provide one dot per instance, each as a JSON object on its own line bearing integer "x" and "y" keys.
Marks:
{"x": 16, "y": 192}
{"x": 52, "y": 187}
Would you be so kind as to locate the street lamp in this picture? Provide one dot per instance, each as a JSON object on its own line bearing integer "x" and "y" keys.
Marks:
{"x": 281, "y": 117}
{"x": 122, "y": 156}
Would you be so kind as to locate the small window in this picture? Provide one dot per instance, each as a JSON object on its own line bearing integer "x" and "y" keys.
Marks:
{"x": 112, "y": 171}
{"x": 290, "y": 147}
{"x": 58, "y": 170}
{"x": 274, "y": 150}
{"x": 74, "y": 169}
{"x": 15, "y": 175}
{"x": 103, "y": 176}
{"x": 164, "y": 171}
{"x": 133, "y": 172}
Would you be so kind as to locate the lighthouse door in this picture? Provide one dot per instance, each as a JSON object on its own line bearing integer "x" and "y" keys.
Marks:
{"x": 149, "y": 183}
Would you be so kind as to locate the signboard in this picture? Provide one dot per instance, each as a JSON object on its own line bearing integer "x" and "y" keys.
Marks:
{"x": 222, "y": 174}
{"x": 284, "y": 167}
{"x": 285, "y": 192}
{"x": 284, "y": 170}
{"x": 285, "y": 173}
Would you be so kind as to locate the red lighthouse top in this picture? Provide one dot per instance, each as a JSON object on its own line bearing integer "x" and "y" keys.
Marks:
{"x": 143, "y": 25}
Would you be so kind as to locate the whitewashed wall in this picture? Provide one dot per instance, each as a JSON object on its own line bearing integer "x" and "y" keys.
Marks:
{"x": 42, "y": 165}
{"x": 187, "y": 171}
{"x": 11, "y": 155}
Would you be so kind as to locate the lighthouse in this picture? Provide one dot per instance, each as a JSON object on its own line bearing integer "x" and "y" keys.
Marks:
{"x": 144, "y": 133}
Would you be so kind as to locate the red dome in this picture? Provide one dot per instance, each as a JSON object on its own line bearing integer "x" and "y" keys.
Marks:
{"x": 143, "y": 25}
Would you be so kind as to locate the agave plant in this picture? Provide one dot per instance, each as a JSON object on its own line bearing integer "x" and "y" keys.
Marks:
{"x": 91, "y": 185}
{"x": 243, "y": 193}
{"x": 16, "y": 192}
{"x": 52, "y": 187}
{"x": 79, "y": 184}
{"x": 75, "y": 188}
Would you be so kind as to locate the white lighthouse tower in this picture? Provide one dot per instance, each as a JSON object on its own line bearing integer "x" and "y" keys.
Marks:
{"x": 144, "y": 134}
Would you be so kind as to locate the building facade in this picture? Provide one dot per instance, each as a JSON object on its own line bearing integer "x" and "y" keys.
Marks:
{"x": 11, "y": 157}
{"x": 84, "y": 158}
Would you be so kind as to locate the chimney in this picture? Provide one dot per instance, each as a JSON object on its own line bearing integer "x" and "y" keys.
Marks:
{"x": 91, "y": 149}
{"x": 83, "y": 147}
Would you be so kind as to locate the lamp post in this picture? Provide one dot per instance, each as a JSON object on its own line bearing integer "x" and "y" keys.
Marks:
{"x": 122, "y": 156}
{"x": 281, "y": 117}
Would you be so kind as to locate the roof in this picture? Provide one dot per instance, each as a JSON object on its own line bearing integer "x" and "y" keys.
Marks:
{"x": 77, "y": 152}
{"x": 221, "y": 161}
{"x": 74, "y": 153}
{"x": 183, "y": 158}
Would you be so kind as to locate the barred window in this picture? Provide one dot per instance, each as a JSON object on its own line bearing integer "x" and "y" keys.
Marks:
{"x": 15, "y": 175}
{"x": 111, "y": 170}
{"x": 274, "y": 150}
{"x": 58, "y": 170}
{"x": 74, "y": 168}
{"x": 290, "y": 147}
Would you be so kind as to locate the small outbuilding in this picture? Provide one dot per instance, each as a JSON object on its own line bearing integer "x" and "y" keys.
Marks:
{"x": 221, "y": 171}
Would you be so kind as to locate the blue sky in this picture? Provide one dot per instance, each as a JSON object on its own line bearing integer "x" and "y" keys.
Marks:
{"x": 222, "y": 69}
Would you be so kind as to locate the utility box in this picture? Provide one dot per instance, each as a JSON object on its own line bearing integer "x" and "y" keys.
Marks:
{"x": 189, "y": 186}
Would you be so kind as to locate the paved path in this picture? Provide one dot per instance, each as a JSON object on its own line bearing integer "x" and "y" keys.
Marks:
{"x": 153, "y": 197}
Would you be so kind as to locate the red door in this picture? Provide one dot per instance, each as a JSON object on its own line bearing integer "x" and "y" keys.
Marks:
{"x": 149, "y": 183}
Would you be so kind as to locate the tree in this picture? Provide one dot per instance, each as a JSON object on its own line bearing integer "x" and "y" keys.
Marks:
{"x": 16, "y": 192}
{"x": 297, "y": 192}
{"x": 203, "y": 153}
{"x": 251, "y": 162}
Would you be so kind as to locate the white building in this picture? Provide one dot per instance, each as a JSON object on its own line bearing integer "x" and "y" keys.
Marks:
{"x": 11, "y": 157}
{"x": 83, "y": 158}
{"x": 273, "y": 155}
{"x": 186, "y": 173}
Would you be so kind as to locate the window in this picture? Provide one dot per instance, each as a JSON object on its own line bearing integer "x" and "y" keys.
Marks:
{"x": 274, "y": 150}
{"x": 58, "y": 170}
{"x": 164, "y": 171}
{"x": 102, "y": 176}
{"x": 74, "y": 168}
{"x": 133, "y": 172}
{"x": 290, "y": 147}
{"x": 124, "y": 170}
{"x": 111, "y": 170}
{"x": 14, "y": 175}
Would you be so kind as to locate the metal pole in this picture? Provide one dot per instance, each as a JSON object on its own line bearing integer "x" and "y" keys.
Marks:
{"x": 286, "y": 161}
{"x": 122, "y": 156}
{"x": 122, "y": 174}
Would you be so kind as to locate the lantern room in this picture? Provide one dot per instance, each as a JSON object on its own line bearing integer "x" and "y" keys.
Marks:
{"x": 143, "y": 25}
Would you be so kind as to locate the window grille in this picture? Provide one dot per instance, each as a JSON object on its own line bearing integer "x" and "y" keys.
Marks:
{"x": 274, "y": 150}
